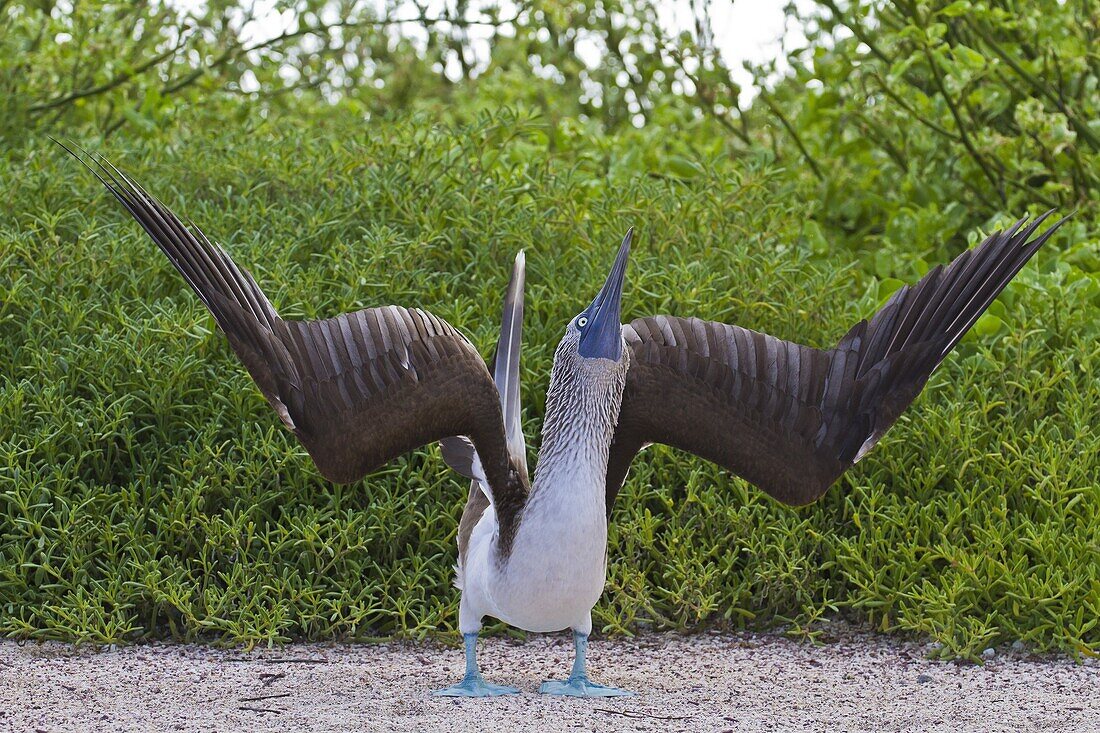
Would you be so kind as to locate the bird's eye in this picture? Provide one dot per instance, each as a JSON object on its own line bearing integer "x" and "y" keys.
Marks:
{"x": 582, "y": 321}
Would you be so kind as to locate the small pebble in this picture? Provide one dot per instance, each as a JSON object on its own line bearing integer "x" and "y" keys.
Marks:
{"x": 989, "y": 653}
{"x": 1018, "y": 646}
{"x": 924, "y": 678}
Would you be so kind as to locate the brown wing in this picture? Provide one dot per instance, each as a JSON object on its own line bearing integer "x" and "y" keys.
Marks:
{"x": 358, "y": 390}
{"x": 788, "y": 418}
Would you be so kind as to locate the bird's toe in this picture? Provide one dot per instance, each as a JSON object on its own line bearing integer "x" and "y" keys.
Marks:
{"x": 580, "y": 687}
{"x": 475, "y": 687}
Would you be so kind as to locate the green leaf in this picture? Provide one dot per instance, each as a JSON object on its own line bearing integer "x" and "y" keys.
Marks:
{"x": 957, "y": 8}
{"x": 682, "y": 167}
{"x": 987, "y": 325}
{"x": 814, "y": 238}
{"x": 968, "y": 56}
{"x": 888, "y": 287}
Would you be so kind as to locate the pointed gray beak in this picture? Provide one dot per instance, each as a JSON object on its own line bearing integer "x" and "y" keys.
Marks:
{"x": 601, "y": 337}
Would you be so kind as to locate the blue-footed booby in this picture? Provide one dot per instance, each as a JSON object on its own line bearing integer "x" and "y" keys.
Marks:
{"x": 362, "y": 388}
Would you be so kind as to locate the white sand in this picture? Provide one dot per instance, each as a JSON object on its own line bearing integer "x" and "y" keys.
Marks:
{"x": 744, "y": 682}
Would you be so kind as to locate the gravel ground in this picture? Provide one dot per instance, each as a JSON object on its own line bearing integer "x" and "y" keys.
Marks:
{"x": 711, "y": 682}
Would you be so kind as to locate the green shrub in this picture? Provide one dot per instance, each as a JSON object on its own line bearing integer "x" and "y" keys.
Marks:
{"x": 146, "y": 489}
{"x": 912, "y": 121}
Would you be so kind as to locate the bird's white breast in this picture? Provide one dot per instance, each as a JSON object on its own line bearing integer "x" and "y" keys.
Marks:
{"x": 557, "y": 566}
{"x": 553, "y": 572}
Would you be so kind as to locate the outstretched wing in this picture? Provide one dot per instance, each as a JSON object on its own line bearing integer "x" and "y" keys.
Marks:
{"x": 357, "y": 390}
{"x": 789, "y": 418}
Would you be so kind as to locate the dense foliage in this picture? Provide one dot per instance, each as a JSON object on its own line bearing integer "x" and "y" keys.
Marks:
{"x": 147, "y": 490}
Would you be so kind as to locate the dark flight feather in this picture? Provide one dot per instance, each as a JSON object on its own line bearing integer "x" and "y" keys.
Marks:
{"x": 789, "y": 418}
{"x": 458, "y": 451}
{"x": 357, "y": 390}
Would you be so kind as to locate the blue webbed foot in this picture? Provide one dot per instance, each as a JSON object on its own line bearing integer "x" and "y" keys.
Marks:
{"x": 578, "y": 684}
{"x": 475, "y": 686}
{"x": 581, "y": 687}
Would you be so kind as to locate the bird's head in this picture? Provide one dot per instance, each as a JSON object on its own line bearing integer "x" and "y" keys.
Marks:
{"x": 589, "y": 373}
{"x": 593, "y": 342}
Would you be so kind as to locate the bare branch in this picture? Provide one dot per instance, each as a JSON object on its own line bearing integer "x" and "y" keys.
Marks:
{"x": 900, "y": 101}
{"x": 960, "y": 124}
{"x": 766, "y": 98}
